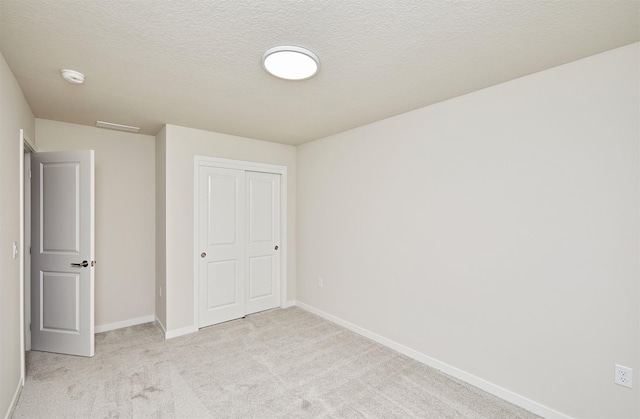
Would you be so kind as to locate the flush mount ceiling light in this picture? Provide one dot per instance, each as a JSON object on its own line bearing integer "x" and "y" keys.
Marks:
{"x": 119, "y": 127}
{"x": 291, "y": 63}
{"x": 72, "y": 76}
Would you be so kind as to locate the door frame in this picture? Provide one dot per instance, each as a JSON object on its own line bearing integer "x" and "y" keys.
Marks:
{"x": 26, "y": 248}
{"x": 206, "y": 161}
{"x": 26, "y": 148}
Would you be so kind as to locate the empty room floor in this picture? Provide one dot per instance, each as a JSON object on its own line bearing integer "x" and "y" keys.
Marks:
{"x": 278, "y": 363}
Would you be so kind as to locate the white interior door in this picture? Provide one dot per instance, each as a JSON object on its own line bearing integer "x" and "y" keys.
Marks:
{"x": 262, "y": 241}
{"x": 221, "y": 245}
{"x": 62, "y": 254}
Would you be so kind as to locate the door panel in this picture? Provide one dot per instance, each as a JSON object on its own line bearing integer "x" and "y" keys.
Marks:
{"x": 62, "y": 234}
{"x": 60, "y": 229}
{"x": 261, "y": 209}
{"x": 222, "y": 277}
{"x": 263, "y": 236}
{"x": 60, "y": 302}
{"x": 260, "y": 284}
{"x": 222, "y": 216}
{"x": 221, "y": 245}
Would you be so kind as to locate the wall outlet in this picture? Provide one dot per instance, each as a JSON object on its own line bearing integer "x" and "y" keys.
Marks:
{"x": 624, "y": 376}
{"x": 320, "y": 282}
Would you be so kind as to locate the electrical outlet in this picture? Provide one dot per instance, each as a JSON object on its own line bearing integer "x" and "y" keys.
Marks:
{"x": 320, "y": 282}
{"x": 624, "y": 376}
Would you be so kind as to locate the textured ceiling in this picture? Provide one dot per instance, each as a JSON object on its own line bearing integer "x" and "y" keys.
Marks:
{"x": 197, "y": 63}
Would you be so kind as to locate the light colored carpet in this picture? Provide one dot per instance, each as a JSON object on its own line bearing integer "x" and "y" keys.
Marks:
{"x": 279, "y": 363}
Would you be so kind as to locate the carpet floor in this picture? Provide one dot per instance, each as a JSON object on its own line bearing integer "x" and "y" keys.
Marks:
{"x": 278, "y": 363}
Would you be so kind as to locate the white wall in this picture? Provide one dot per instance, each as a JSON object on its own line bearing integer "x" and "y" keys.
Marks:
{"x": 161, "y": 222}
{"x": 125, "y": 216}
{"x": 496, "y": 232}
{"x": 15, "y": 114}
{"x": 181, "y": 146}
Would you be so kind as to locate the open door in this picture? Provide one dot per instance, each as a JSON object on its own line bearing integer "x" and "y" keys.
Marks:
{"x": 62, "y": 252}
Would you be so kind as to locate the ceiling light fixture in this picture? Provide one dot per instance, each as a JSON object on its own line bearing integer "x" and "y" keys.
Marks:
{"x": 72, "y": 76}
{"x": 119, "y": 127}
{"x": 290, "y": 62}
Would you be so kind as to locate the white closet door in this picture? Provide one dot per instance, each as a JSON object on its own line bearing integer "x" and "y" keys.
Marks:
{"x": 221, "y": 245}
{"x": 262, "y": 241}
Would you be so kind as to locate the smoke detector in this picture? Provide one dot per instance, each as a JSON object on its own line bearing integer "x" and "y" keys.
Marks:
{"x": 72, "y": 76}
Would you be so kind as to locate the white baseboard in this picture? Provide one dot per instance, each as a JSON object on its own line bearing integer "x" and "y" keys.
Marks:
{"x": 14, "y": 400}
{"x": 287, "y": 304}
{"x": 475, "y": 381}
{"x": 164, "y": 330}
{"x": 175, "y": 333}
{"x": 124, "y": 323}
{"x": 179, "y": 332}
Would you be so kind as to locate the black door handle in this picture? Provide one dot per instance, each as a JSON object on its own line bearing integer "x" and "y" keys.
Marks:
{"x": 84, "y": 264}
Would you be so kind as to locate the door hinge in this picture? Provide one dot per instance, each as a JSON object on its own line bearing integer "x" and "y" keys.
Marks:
{"x": 29, "y": 249}
{"x": 29, "y": 174}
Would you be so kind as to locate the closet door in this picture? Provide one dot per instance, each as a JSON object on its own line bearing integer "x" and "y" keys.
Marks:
{"x": 221, "y": 239}
{"x": 262, "y": 241}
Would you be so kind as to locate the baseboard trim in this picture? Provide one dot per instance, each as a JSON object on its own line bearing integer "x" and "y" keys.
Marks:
{"x": 124, "y": 323}
{"x": 288, "y": 304}
{"x": 475, "y": 381}
{"x": 179, "y": 332}
{"x": 14, "y": 400}
{"x": 164, "y": 330}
